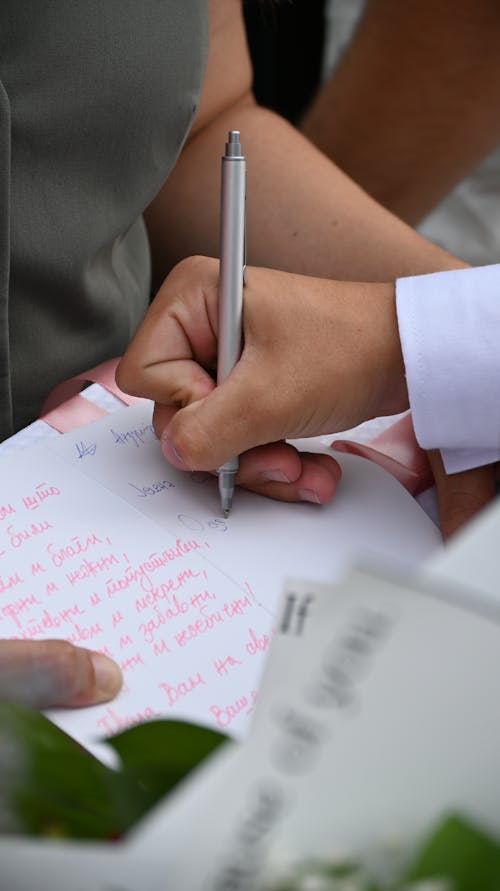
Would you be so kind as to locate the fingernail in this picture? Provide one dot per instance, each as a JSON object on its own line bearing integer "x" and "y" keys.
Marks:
{"x": 309, "y": 495}
{"x": 171, "y": 453}
{"x": 108, "y": 677}
{"x": 275, "y": 475}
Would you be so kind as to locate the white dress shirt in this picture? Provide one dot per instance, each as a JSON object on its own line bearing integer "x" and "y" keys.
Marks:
{"x": 449, "y": 325}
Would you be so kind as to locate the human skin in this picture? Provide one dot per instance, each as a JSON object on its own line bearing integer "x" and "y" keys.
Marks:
{"x": 318, "y": 356}
{"x": 303, "y": 214}
{"x": 44, "y": 673}
{"x": 412, "y": 106}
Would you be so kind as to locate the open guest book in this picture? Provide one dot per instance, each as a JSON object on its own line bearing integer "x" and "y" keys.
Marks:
{"x": 105, "y": 545}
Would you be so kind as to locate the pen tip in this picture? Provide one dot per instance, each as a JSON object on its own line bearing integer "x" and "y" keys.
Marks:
{"x": 226, "y": 512}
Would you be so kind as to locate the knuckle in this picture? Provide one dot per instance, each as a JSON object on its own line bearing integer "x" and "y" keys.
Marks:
{"x": 196, "y": 265}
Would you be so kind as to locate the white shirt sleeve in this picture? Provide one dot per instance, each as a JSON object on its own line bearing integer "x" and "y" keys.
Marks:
{"x": 449, "y": 325}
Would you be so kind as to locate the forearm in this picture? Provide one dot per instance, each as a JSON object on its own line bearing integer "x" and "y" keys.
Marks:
{"x": 413, "y": 105}
{"x": 303, "y": 213}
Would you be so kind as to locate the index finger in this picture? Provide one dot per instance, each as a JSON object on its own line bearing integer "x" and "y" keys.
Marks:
{"x": 174, "y": 349}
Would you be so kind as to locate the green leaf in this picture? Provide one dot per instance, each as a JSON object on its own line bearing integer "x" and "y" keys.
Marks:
{"x": 165, "y": 743}
{"x": 157, "y": 755}
{"x": 461, "y": 852}
{"x": 51, "y": 786}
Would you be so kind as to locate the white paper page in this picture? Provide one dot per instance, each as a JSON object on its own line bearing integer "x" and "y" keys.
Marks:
{"x": 401, "y": 701}
{"x": 50, "y": 865}
{"x": 378, "y": 715}
{"x": 371, "y": 513}
{"x": 80, "y": 564}
{"x": 182, "y": 599}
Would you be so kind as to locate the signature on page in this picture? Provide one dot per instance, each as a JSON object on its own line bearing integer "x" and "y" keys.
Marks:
{"x": 84, "y": 449}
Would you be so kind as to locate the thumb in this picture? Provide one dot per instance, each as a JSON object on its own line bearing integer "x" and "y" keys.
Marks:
{"x": 49, "y": 673}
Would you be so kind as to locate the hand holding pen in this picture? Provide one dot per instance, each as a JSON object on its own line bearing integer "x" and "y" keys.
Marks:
{"x": 231, "y": 282}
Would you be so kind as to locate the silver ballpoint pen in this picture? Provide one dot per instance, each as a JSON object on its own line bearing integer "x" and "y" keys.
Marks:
{"x": 231, "y": 282}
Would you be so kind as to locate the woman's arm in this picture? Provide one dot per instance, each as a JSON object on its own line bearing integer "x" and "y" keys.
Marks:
{"x": 304, "y": 214}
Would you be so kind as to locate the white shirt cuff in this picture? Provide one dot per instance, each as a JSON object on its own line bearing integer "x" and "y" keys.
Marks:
{"x": 449, "y": 325}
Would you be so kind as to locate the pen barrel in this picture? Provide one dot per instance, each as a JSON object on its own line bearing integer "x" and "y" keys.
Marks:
{"x": 232, "y": 263}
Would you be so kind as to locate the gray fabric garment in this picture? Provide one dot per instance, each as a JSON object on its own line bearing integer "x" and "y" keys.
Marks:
{"x": 96, "y": 99}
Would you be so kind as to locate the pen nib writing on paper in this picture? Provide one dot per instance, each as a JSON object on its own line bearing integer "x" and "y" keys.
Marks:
{"x": 227, "y": 475}
{"x": 231, "y": 282}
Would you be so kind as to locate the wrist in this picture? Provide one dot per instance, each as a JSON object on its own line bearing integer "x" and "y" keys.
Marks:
{"x": 390, "y": 389}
